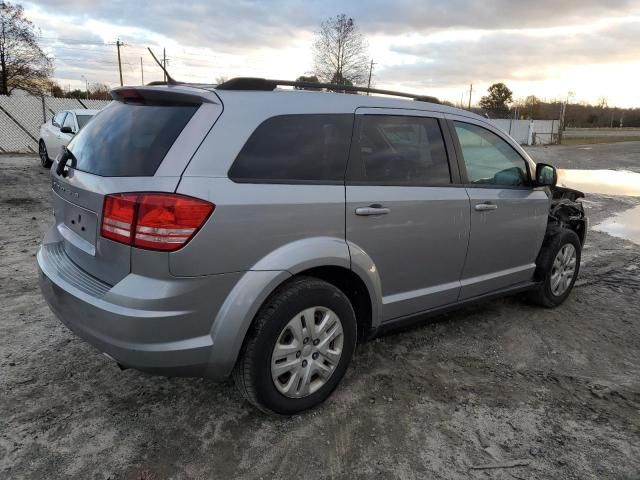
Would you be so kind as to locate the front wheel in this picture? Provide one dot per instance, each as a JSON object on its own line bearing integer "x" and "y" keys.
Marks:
{"x": 558, "y": 266}
{"x": 298, "y": 348}
{"x": 45, "y": 161}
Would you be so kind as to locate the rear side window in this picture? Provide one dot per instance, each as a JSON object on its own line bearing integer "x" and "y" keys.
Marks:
{"x": 400, "y": 150}
{"x": 82, "y": 120}
{"x": 296, "y": 148}
{"x": 129, "y": 140}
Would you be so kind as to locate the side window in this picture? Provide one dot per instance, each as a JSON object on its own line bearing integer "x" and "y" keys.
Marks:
{"x": 58, "y": 119}
{"x": 311, "y": 147}
{"x": 488, "y": 158}
{"x": 400, "y": 150}
{"x": 68, "y": 122}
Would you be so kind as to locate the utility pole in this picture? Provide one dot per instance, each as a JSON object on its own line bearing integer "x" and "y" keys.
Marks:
{"x": 164, "y": 62}
{"x": 563, "y": 110}
{"x": 470, "y": 93}
{"x": 119, "y": 62}
{"x": 86, "y": 82}
{"x": 142, "y": 71}
{"x": 563, "y": 114}
{"x": 370, "y": 72}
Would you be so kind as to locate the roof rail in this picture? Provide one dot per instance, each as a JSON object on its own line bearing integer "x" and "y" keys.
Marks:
{"x": 249, "y": 83}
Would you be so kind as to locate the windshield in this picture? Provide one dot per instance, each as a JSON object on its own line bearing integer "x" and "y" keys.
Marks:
{"x": 128, "y": 140}
{"x": 83, "y": 120}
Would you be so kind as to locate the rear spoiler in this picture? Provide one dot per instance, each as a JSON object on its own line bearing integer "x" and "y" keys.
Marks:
{"x": 150, "y": 95}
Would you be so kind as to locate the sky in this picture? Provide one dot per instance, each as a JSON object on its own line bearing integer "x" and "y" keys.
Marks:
{"x": 554, "y": 49}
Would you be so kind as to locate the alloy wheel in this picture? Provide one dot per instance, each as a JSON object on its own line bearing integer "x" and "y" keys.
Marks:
{"x": 42, "y": 150}
{"x": 563, "y": 269}
{"x": 307, "y": 352}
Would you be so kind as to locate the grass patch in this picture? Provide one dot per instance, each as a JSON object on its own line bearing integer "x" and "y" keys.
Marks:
{"x": 600, "y": 139}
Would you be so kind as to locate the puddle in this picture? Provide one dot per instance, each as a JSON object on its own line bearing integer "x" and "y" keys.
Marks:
{"x": 624, "y": 225}
{"x": 606, "y": 182}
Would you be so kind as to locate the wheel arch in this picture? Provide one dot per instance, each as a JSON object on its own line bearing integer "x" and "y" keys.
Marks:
{"x": 326, "y": 258}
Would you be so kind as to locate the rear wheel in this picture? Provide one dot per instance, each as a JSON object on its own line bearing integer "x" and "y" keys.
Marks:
{"x": 558, "y": 266}
{"x": 298, "y": 348}
{"x": 45, "y": 161}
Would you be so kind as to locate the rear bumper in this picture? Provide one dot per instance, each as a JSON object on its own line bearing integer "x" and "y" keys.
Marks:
{"x": 159, "y": 325}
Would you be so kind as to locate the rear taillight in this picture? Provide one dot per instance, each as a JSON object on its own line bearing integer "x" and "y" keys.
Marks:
{"x": 155, "y": 221}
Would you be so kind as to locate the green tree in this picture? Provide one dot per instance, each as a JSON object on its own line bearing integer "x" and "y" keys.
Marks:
{"x": 23, "y": 64}
{"x": 76, "y": 94}
{"x": 340, "y": 52}
{"x": 498, "y": 99}
{"x": 307, "y": 79}
{"x": 54, "y": 90}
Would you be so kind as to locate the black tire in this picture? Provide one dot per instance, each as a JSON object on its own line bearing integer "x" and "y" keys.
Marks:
{"x": 45, "y": 161}
{"x": 252, "y": 373}
{"x": 544, "y": 295}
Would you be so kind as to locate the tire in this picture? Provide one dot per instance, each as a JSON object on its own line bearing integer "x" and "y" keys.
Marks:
{"x": 549, "y": 294}
{"x": 253, "y": 373}
{"x": 45, "y": 161}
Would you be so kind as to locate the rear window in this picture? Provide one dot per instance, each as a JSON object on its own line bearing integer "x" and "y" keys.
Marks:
{"x": 296, "y": 148}
{"x": 129, "y": 140}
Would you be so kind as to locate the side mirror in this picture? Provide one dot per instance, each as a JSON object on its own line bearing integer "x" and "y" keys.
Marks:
{"x": 66, "y": 129}
{"x": 546, "y": 175}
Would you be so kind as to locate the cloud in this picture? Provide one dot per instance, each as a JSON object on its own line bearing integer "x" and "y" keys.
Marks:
{"x": 415, "y": 43}
{"x": 235, "y": 24}
{"x": 411, "y": 15}
{"x": 511, "y": 55}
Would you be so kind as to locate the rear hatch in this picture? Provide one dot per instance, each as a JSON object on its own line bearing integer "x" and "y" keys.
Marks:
{"x": 140, "y": 142}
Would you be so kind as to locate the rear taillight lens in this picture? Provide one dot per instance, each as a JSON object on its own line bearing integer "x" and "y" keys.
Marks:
{"x": 155, "y": 221}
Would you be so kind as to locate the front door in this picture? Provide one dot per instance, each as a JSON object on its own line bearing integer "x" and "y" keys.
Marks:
{"x": 508, "y": 215}
{"x": 54, "y": 142}
{"x": 405, "y": 210}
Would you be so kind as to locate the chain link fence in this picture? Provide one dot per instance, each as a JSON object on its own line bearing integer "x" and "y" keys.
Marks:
{"x": 21, "y": 116}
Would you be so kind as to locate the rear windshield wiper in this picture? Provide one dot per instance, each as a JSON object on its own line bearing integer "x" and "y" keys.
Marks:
{"x": 64, "y": 158}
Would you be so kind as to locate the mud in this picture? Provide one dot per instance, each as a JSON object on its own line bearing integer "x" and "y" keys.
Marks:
{"x": 558, "y": 391}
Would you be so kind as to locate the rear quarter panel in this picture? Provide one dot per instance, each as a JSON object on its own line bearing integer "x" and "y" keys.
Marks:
{"x": 252, "y": 223}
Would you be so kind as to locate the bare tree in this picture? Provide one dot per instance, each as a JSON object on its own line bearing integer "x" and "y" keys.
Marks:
{"x": 23, "y": 64}
{"x": 100, "y": 91}
{"x": 340, "y": 52}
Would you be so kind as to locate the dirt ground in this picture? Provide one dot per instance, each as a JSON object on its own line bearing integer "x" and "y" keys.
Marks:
{"x": 557, "y": 390}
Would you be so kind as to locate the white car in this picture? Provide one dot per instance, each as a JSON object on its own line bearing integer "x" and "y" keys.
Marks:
{"x": 59, "y": 131}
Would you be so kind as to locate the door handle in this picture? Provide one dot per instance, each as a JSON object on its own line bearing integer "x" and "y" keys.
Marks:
{"x": 484, "y": 207}
{"x": 372, "y": 210}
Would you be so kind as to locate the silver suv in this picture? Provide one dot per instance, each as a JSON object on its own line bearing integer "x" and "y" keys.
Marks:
{"x": 205, "y": 230}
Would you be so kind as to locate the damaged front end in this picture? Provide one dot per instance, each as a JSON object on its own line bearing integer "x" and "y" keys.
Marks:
{"x": 566, "y": 211}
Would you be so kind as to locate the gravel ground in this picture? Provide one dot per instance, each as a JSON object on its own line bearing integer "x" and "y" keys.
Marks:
{"x": 620, "y": 156}
{"x": 558, "y": 391}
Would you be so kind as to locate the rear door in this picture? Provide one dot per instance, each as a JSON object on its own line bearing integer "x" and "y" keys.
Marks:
{"x": 508, "y": 215}
{"x": 406, "y": 209}
{"x": 140, "y": 143}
